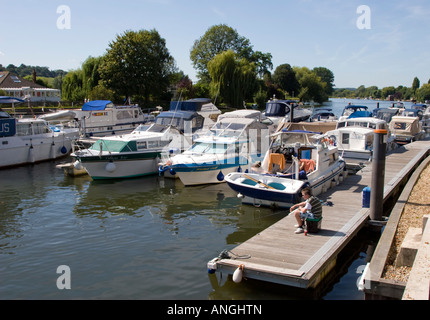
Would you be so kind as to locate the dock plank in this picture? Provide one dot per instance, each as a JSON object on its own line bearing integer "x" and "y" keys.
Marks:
{"x": 279, "y": 255}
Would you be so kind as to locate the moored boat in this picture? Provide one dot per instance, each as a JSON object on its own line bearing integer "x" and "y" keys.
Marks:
{"x": 131, "y": 155}
{"x": 228, "y": 147}
{"x": 27, "y": 141}
{"x": 295, "y": 160}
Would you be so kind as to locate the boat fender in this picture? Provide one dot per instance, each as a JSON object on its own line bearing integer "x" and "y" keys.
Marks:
{"x": 239, "y": 169}
{"x": 220, "y": 176}
{"x": 162, "y": 169}
{"x": 240, "y": 196}
{"x": 172, "y": 171}
{"x": 78, "y": 165}
{"x": 238, "y": 274}
{"x": 110, "y": 167}
{"x": 63, "y": 150}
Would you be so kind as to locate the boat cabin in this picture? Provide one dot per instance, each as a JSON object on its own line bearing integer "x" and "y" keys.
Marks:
{"x": 184, "y": 121}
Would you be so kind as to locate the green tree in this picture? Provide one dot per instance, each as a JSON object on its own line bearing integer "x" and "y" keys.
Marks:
{"x": 415, "y": 85}
{"x": 137, "y": 63}
{"x": 221, "y": 38}
{"x": 72, "y": 86}
{"x": 326, "y": 76}
{"x": 233, "y": 78}
{"x": 91, "y": 74}
{"x": 285, "y": 78}
{"x": 423, "y": 93}
{"x": 312, "y": 87}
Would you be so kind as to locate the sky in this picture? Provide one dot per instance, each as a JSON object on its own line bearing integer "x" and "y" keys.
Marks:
{"x": 365, "y": 42}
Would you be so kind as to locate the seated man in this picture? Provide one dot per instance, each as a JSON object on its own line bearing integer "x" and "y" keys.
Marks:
{"x": 310, "y": 208}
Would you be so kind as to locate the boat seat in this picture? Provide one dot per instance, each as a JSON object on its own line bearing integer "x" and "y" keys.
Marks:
{"x": 276, "y": 162}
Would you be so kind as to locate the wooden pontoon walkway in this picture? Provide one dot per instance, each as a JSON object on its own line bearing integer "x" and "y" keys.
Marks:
{"x": 279, "y": 255}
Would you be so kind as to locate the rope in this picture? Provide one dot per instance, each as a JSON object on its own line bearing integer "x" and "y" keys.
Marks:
{"x": 225, "y": 254}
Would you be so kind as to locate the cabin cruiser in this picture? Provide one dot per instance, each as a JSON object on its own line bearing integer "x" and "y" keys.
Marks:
{"x": 285, "y": 110}
{"x": 27, "y": 141}
{"x": 354, "y": 137}
{"x": 229, "y": 146}
{"x": 100, "y": 118}
{"x": 295, "y": 160}
{"x": 131, "y": 155}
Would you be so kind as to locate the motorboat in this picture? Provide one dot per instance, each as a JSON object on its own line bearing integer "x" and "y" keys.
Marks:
{"x": 406, "y": 129}
{"x": 323, "y": 114}
{"x": 354, "y": 137}
{"x": 355, "y": 111}
{"x": 190, "y": 116}
{"x": 295, "y": 160}
{"x": 131, "y": 155}
{"x": 230, "y": 146}
{"x": 100, "y": 118}
{"x": 278, "y": 111}
{"x": 423, "y": 112}
{"x": 29, "y": 140}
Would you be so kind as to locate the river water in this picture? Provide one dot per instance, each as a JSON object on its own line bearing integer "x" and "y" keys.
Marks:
{"x": 146, "y": 238}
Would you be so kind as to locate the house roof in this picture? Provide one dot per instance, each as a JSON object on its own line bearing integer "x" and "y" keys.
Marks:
{"x": 12, "y": 81}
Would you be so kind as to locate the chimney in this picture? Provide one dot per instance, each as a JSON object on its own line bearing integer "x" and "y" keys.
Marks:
{"x": 34, "y": 76}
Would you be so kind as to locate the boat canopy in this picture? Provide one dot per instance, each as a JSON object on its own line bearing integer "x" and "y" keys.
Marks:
{"x": 97, "y": 105}
{"x": 178, "y": 119}
{"x": 278, "y": 108}
{"x": 189, "y": 105}
{"x": 405, "y": 125}
{"x": 114, "y": 146}
{"x": 359, "y": 114}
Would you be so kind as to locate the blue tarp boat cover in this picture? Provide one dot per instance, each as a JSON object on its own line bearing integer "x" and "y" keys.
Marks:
{"x": 96, "y": 105}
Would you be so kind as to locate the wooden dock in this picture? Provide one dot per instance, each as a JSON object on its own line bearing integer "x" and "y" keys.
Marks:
{"x": 280, "y": 256}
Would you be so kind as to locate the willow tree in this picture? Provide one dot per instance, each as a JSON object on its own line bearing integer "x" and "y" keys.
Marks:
{"x": 233, "y": 79}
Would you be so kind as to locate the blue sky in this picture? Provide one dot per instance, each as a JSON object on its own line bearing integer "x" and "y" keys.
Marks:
{"x": 304, "y": 33}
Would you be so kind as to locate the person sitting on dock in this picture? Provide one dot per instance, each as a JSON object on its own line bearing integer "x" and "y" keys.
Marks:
{"x": 310, "y": 208}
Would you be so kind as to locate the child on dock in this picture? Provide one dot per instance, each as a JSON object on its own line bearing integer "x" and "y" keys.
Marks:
{"x": 310, "y": 208}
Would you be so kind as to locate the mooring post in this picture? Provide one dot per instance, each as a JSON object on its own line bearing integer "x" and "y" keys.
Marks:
{"x": 378, "y": 174}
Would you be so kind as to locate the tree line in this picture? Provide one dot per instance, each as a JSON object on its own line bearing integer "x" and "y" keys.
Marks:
{"x": 415, "y": 92}
{"x": 137, "y": 66}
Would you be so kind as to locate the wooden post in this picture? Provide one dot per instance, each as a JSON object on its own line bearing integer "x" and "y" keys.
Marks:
{"x": 378, "y": 174}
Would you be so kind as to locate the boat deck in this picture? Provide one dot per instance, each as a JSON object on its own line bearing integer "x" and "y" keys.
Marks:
{"x": 279, "y": 255}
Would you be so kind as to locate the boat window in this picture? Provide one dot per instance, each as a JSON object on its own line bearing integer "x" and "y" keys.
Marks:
{"x": 124, "y": 114}
{"x": 153, "y": 144}
{"x": 345, "y": 138}
{"x": 399, "y": 125}
{"x": 23, "y": 129}
{"x": 341, "y": 124}
{"x": 141, "y": 145}
{"x": 142, "y": 128}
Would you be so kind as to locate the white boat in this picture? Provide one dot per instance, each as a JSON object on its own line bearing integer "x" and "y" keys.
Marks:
{"x": 354, "y": 137}
{"x": 101, "y": 118}
{"x": 131, "y": 155}
{"x": 26, "y": 141}
{"x": 228, "y": 147}
{"x": 406, "y": 129}
{"x": 355, "y": 111}
{"x": 295, "y": 160}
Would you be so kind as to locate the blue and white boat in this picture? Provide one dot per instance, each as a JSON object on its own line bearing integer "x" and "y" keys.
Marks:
{"x": 355, "y": 111}
{"x": 295, "y": 160}
{"x": 227, "y": 147}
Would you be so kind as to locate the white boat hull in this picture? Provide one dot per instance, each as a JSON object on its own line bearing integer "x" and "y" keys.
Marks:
{"x": 105, "y": 169}
{"x": 215, "y": 176}
{"x": 18, "y": 151}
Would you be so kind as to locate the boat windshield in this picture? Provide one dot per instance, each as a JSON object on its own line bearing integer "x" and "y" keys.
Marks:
{"x": 150, "y": 128}
{"x": 210, "y": 148}
{"x": 291, "y": 138}
{"x": 228, "y": 129}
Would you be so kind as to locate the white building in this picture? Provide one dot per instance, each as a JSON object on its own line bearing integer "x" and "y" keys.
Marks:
{"x": 17, "y": 87}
